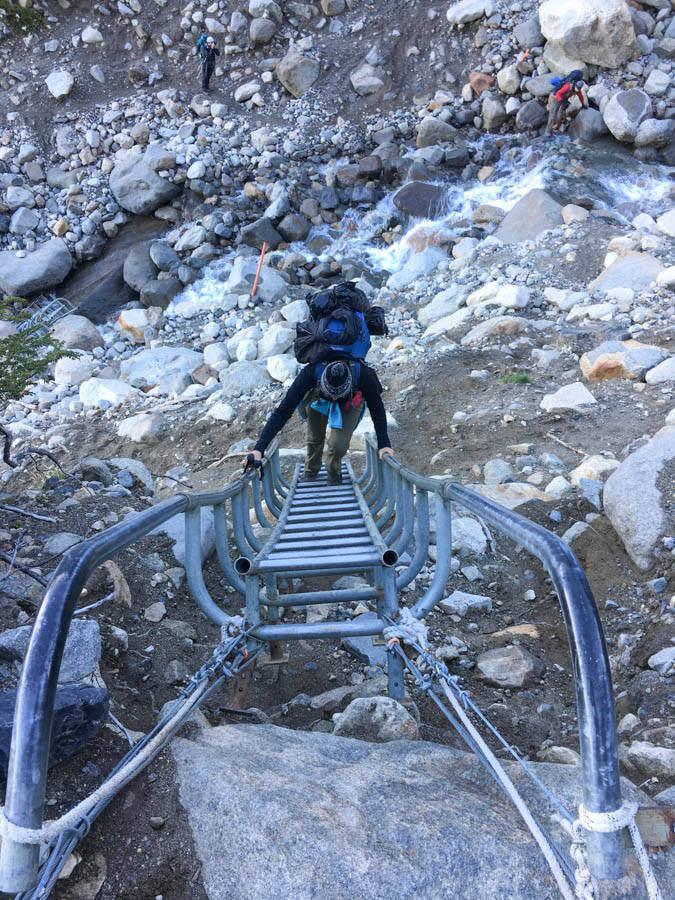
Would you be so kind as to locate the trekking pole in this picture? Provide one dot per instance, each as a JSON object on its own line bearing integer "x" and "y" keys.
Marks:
{"x": 523, "y": 56}
{"x": 257, "y": 274}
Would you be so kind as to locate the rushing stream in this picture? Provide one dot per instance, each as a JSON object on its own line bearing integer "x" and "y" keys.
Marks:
{"x": 604, "y": 173}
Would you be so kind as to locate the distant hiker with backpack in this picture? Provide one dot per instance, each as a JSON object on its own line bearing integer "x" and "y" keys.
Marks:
{"x": 206, "y": 45}
{"x": 335, "y": 386}
{"x": 564, "y": 89}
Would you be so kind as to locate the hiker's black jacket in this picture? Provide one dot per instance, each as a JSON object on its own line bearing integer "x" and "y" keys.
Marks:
{"x": 367, "y": 382}
{"x": 209, "y": 54}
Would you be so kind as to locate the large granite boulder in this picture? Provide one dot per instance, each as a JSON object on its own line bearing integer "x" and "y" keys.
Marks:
{"x": 77, "y": 333}
{"x": 420, "y": 200}
{"x": 625, "y": 112}
{"x": 297, "y": 72}
{"x": 340, "y": 818}
{"x": 468, "y": 11}
{"x": 641, "y": 525}
{"x": 159, "y": 364}
{"x": 139, "y": 269}
{"x": 595, "y": 31}
{"x": 537, "y": 211}
{"x": 632, "y": 270}
{"x": 45, "y": 267}
{"x": 588, "y": 125}
{"x": 138, "y": 188}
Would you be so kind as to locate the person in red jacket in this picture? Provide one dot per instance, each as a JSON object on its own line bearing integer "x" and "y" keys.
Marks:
{"x": 564, "y": 89}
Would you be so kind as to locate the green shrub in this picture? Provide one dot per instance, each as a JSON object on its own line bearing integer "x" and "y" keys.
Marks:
{"x": 21, "y": 20}
{"x": 517, "y": 378}
{"x": 26, "y": 354}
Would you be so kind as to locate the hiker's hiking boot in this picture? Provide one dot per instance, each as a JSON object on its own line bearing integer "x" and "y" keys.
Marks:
{"x": 309, "y": 476}
{"x": 332, "y": 482}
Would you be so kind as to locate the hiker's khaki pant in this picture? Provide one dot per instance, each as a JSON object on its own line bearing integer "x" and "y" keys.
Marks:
{"x": 338, "y": 440}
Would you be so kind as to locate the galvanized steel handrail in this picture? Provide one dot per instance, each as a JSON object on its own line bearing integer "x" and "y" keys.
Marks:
{"x": 592, "y": 676}
{"x": 34, "y": 712}
{"x": 377, "y": 524}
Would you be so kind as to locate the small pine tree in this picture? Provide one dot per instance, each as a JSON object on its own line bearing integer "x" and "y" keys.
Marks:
{"x": 26, "y": 354}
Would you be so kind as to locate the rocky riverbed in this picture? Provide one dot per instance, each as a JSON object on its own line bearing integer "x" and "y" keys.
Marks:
{"x": 528, "y": 283}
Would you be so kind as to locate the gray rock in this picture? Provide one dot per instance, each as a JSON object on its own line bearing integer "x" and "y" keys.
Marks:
{"x": 60, "y": 180}
{"x": 80, "y": 711}
{"x": 599, "y": 31}
{"x": 45, "y": 267}
{"x": 139, "y": 472}
{"x": 23, "y": 220}
{"x": 296, "y": 72}
{"x": 459, "y": 603}
{"x": 144, "y": 428}
{"x": 138, "y": 188}
{"x": 93, "y": 469}
{"x": 655, "y": 133}
{"x": 468, "y": 11}
{"x": 443, "y": 304}
{"x": 631, "y": 270}
{"x": 293, "y": 227}
{"x": 262, "y": 31}
{"x": 156, "y": 365}
{"x": 420, "y": 200}
{"x": 588, "y": 125}
{"x": 528, "y": 33}
{"x": 57, "y": 544}
{"x": 663, "y": 662}
{"x": 509, "y": 667}
{"x": 139, "y": 269}
{"x": 434, "y": 131}
{"x": 175, "y": 531}
{"x": 573, "y": 396}
{"x": 342, "y": 791}
{"x": 530, "y": 115}
{"x": 467, "y": 536}
{"x": 624, "y": 113}
{"x": 665, "y": 371}
{"x": 537, "y": 211}
{"x": 59, "y": 84}
{"x": 648, "y": 759}
{"x": 77, "y": 333}
{"x": 376, "y": 719}
{"x": 66, "y": 140}
{"x": 418, "y": 265}
{"x": 80, "y": 656}
{"x": 271, "y": 285}
{"x": 366, "y": 80}
{"x": 640, "y": 526}
{"x": 259, "y": 232}
{"x": 176, "y": 672}
{"x": 497, "y": 471}
{"x": 163, "y": 255}
{"x": 362, "y": 648}
{"x": 493, "y": 113}
{"x": 242, "y": 378}
{"x": 160, "y": 293}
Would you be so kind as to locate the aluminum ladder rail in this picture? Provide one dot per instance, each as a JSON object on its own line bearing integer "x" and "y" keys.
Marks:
{"x": 378, "y": 524}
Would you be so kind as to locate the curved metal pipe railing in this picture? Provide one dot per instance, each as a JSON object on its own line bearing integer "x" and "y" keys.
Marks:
{"x": 401, "y": 498}
{"x": 34, "y": 711}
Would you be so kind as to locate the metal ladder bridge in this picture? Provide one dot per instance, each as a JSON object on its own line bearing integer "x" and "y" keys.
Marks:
{"x": 377, "y": 524}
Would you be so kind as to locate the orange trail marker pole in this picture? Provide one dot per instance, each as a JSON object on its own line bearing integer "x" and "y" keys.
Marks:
{"x": 524, "y": 56}
{"x": 257, "y": 274}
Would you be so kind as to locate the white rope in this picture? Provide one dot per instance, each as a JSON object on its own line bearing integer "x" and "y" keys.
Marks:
{"x": 605, "y": 823}
{"x": 51, "y": 830}
{"x": 408, "y": 629}
{"x": 232, "y": 626}
{"x": 512, "y": 792}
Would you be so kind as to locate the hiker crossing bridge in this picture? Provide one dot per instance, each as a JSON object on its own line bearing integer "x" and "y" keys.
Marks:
{"x": 376, "y": 523}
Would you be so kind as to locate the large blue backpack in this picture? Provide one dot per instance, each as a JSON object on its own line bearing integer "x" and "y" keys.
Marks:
{"x": 338, "y": 326}
{"x": 201, "y": 44}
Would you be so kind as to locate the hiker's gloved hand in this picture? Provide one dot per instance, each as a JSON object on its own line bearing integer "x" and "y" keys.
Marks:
{"x": 256, "y": 454}
{"x": 385, "y": 451}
